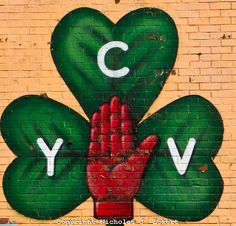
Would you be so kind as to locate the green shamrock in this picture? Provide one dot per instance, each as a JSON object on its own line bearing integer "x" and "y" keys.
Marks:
{"x": 151, "y": 39}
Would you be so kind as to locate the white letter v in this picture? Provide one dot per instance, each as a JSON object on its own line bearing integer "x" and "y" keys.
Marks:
{"x": 181, "y": 164}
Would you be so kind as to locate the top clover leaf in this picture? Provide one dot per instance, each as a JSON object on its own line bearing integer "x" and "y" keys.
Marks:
{"x": 151, "y": 38}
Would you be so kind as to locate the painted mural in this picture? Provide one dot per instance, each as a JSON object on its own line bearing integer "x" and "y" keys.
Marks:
{"x": 115, "y": 71}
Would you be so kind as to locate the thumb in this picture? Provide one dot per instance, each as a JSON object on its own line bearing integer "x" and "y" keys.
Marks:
{"x": 140, "y": 157}
{"x": 147, "y": 145}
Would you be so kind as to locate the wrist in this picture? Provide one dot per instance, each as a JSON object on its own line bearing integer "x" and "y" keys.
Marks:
{"x": 113, "y": 210}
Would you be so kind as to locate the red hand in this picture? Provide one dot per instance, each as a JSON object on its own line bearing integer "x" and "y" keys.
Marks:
{"x": 115, "y": 167}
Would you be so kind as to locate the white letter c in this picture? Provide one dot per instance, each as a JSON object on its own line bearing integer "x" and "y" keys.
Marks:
{"x": 101, "y": 59}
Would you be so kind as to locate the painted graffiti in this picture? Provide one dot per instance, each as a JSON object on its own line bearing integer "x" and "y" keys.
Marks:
{"x": 115, "y": 71}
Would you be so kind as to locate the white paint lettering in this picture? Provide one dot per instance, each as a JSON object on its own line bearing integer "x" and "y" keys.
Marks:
{"x": 101, "y": 59}
{"x": 50, "y": 154}
{"x": 181, "y": 164}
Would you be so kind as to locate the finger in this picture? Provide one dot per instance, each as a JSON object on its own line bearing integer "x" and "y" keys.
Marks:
{"x": 115, "y": 145}
{"x": 127, "y": 130}
{"x": 115, "y": 122}
{"x": 140, "y": 157}
{"x": 105, "y": 129}
{"x": 105, "y": 118}
{"x": 115, "y": 108}
{"x": 147, "y": 145}
{"x": 127, "y": 143}
{"x": 95, "y": 130}
{"x": 115, "y": 104}
{"x": 126, "y": 112}
{"x": 94, "y": 146}
{"x": 126, "y": 124}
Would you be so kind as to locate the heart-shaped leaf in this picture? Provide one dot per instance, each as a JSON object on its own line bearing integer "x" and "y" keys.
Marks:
{"x": 26, "y": 184}
{"x": 152, "y": 41}
{"x": 195, "y": 194}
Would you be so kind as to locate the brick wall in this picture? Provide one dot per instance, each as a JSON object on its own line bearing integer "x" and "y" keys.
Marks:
{"x": 205, "y": 66}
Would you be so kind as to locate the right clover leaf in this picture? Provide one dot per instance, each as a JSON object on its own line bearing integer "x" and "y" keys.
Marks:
{"x": 195, "y": 194}
{"x": 99, "y": 60}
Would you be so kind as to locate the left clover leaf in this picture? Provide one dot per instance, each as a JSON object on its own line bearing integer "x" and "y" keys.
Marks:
{"x": 50, "y": 140}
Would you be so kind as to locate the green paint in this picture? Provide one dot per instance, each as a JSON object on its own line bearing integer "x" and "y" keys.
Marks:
{"x": 27, "y": 187}
{"x": 194, "y": 195}
{"x": 78, "y": 37}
